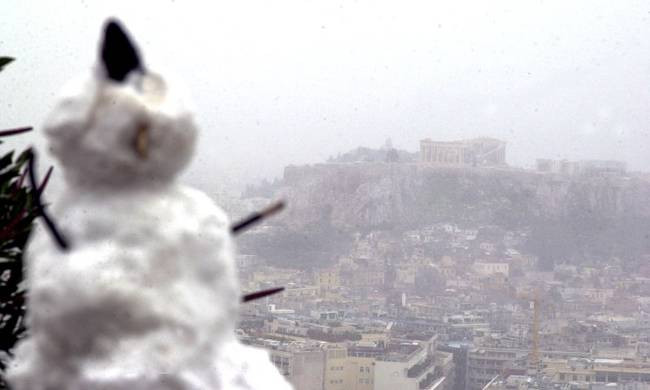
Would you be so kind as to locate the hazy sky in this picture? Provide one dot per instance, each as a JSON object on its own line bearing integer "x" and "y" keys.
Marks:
{"x": 279, "y": 82}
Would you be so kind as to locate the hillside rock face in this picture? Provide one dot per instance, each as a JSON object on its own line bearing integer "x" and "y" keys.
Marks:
{"x": 371, "y": 196}
{"x": 567, "y": 217}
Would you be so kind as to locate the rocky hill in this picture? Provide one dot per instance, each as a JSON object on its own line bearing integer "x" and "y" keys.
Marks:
{"x": 568, "y": 218}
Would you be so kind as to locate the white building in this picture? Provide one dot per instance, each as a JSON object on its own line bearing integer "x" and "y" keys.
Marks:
{"x": 490, "y": 269}
{"x": 408, "y": 366}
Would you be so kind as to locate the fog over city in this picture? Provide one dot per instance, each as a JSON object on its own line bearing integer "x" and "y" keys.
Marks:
{"x": 293, "y": 82}
{"x": 464, "y": 191}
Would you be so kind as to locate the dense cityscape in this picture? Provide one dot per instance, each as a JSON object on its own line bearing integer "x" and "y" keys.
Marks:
{"x": 459, "y": 303}
{"x": 365, "y": 195}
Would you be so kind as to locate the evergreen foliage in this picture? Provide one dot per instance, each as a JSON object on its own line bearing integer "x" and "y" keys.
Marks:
{"x": 17, "y": 213}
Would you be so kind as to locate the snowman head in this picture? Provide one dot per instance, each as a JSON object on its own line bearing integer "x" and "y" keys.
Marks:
{"x": 122, "y": 125}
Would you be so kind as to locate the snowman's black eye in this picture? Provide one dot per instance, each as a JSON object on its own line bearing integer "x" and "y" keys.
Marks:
{"x": 118, "y": 55}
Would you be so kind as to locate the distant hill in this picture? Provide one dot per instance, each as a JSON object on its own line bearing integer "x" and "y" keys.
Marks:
{"x": 569, "y": 218}
{"x": 367, "y": 155}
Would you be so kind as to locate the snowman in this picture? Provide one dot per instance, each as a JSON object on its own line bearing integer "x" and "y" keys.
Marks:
{"x": 146, "y": 297}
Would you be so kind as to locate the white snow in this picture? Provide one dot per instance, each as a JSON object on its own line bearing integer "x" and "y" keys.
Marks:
{"x": 147, "y": 297}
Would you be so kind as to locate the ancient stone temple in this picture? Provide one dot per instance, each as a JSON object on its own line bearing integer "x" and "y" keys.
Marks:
{"x": 471, "y": 152}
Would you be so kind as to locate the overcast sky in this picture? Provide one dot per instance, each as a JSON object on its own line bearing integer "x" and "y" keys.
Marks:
{"x": 280, "y": 82}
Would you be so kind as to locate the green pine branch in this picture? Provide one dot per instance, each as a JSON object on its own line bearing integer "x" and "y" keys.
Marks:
{"x": 17, "y": 213}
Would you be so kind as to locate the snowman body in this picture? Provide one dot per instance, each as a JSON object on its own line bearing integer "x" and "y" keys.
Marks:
{"x": 147, "y": 296}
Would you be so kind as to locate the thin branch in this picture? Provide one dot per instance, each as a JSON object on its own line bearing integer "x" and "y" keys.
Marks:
{"x": 257, "y": 217}
{"x": 7, "y": 229}
{"x": 58, "y": 237}
{"x": 261, "y": 294}
{"x": 41, "y": 188}
{"x": 19, "y": 130}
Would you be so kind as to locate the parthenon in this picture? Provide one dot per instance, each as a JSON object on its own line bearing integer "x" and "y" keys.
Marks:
{"x": 471, "y": 152}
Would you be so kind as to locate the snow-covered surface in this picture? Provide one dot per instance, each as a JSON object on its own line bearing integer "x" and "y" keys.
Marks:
{"x": 147, "y": 297}
{"x": 93, "y": 128}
